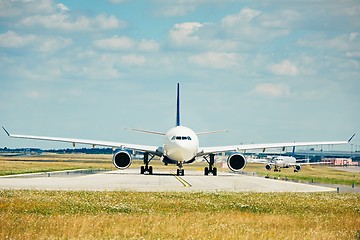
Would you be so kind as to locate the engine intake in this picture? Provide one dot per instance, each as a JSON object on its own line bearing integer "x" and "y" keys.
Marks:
{"x": 122, "y": 160}
{"x": 236, "y": 162}
{"x": 268, "y": 167}
{"x": 297, "y": 168}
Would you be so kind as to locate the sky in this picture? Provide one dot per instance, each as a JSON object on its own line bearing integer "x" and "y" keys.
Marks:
{"x": 266, "y": 71}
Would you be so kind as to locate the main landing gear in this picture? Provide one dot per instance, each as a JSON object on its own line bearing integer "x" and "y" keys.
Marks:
{"x": 211, "y": 168}
{"x": 277, "y": 169}
{"x": 147, "y": 169}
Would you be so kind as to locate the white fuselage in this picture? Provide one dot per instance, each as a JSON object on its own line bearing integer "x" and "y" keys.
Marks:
{"x": 181, "y": 144}
{"x": 284, "y": 161}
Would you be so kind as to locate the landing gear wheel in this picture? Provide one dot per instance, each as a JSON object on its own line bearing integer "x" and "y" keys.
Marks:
{"x": 180, "y": 172}
{"x": 147, "y": 168}
{"x": 211, "y": 169}
{"x": 214, "y": 172}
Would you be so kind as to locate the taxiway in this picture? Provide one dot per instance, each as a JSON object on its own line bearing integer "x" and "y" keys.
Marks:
{"x": 131, "y": 180}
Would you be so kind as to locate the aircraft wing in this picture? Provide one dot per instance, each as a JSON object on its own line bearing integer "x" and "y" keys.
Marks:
{"x": 145, "y": 148}
{"x": 208, "y": 150}
{"x": 309, "y": 163}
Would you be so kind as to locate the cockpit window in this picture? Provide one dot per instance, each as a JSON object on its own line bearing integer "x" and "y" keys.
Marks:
{"x": 181, "y": 138}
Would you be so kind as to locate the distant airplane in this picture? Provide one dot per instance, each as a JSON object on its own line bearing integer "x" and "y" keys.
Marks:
{"x": 181, "y": 146}
{"x": 285, "y": 162}
{"x": 278, "y": 162}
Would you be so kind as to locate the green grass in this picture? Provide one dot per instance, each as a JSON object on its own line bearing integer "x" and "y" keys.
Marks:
{"x": 170, "y": 215}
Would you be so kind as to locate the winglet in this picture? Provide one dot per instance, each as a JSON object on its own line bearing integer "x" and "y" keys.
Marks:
{"x": 351, "y": 138}
{"x": 6, "y": 132}
{"x": 178, "y": 106}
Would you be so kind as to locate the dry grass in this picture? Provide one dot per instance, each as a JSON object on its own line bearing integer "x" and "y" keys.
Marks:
{"x": 53, "y": 162}
{"x": 309, "y": 173}
{"x": 137, "y": 215}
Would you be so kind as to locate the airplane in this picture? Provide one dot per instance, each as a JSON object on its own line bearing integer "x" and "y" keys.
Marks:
{"x": 180, "y": 147}
{"x": 286, "y": 161}
{"x": 281, "y": 161}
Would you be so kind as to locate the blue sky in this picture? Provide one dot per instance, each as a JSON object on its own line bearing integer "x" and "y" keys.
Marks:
{"x": 266, "y": 71}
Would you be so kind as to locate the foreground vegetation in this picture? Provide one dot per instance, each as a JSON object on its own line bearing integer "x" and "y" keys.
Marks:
{"x": 138, "y": 215}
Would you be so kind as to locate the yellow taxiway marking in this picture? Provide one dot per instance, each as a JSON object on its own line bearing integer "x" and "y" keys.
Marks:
{"x": 185, "y": 183}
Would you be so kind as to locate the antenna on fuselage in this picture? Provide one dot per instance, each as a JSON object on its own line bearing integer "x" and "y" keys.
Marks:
{"x": 178, "y": 106}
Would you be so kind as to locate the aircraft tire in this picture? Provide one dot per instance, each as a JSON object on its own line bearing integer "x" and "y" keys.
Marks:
{"x": 206, "y": 171}
{"x": 142, "y": 170}
{"x": 214, "y": 171}
{"x": 150, "y": 170}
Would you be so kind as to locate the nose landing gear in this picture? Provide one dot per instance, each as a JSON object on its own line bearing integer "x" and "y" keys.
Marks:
{"x": 180, "y": 170}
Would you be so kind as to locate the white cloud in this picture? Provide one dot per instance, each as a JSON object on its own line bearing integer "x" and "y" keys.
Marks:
{"x": 117, "y": 1}
{"x": 62, "y": 7}
{"x": 284, "y": 68}
{"x": 133, "y": 60}
{"x": 13, "y": 8}
{"x": 245, "y": 16}
{"x": 63, "y": 21}
{"x": 177, "y": 7}
{"x": 148, "y": 45}
{"x": 12, "y": 39}
{"x": 235, "y": 32}
{"x": 115, "y": 43}
{"x": 342, "y": 43}
{"x": 271, "y": 90}
{"x": 215, "y": 60}
{"x": 183, "y": 33}
{"x": 123, "y": 43}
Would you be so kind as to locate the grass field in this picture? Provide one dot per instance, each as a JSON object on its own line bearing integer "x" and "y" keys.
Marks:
{"x": 309, "y": 173}
{"x": 26, "y": 214}
{"x": 139, "y": 215}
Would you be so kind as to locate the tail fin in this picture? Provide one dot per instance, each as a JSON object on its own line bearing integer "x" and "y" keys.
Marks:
{"x": 178, "y": 106}
{"x": 293, "y": 152}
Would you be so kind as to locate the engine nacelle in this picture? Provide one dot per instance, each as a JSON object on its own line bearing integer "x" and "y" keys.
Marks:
{"x": 297, "y": 168}
{"x": 268, "y": 167}
{"x": 122, "y": 160}
{"x": 236, "y": 162}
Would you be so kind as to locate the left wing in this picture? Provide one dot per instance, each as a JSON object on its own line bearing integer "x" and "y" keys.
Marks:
{"x": 208, "y": 150}
{"x": 145, "y": 148}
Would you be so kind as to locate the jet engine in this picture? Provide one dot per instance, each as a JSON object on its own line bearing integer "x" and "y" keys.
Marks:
{"x": 297, "y": 168}
{"x": 236, "y": 162}
{"x": 268, "y": 167}
{"x": 122, "y": 160}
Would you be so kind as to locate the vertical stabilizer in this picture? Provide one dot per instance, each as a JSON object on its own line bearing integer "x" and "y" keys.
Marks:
{"x": 293, "y": 152}
{"x": 178, "y": 106}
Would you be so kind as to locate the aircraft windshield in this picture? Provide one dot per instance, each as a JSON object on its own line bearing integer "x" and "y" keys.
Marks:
{"x": 181, "y": 138}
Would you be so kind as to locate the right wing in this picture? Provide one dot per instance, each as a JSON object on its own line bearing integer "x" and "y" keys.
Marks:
{"x": 208, "y": 150}
{"x": 144, "y": 148}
